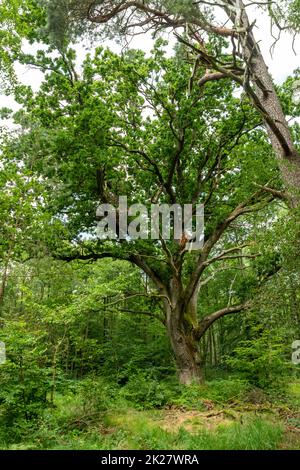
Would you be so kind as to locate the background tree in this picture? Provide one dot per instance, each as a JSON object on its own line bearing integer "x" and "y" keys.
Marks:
{"x": 193, "y": 23}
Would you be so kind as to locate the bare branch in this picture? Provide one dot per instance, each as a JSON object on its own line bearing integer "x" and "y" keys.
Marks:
{"x": 226, "y": 252}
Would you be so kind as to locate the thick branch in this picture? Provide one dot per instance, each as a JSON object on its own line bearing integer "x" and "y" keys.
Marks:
{"x": 206, "y": 322}
{"x": 240, "y": 210}
{"x": 107, "y": 11}
{"x": 214, "y": 76}
{"x": 136, "y": 259}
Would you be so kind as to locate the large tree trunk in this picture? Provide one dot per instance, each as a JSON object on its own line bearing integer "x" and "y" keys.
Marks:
{"x": 180, "y": 327}
{"x": 186, "y": 353}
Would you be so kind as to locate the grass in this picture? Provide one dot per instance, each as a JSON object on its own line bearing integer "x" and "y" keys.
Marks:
{"x": 294, "y": 392}
{"x": 134, "y": 430}
{"x": 143, "y": 432}
{"x": 140, "y": 433}
{"x": 215, "y": 417}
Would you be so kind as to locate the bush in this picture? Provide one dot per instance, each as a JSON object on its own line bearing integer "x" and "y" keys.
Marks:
{"x": 23, "y": 399}
{"x": 144, "y": 390}
{"x": 218, "y": 391}
{"x": 225, "y": 390}
{"x": 97, "y": 394}
{"x": 261, "y": 360}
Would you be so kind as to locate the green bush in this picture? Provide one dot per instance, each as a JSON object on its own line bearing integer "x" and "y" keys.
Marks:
{"x": 25, "y": 381}
{"x": 261, "y": 360}
{"x": 226, "y": 390}
{"x": 22, "y": 399}
{"x": 97, "y": 394}
{"x": 190, "y": 397}
{"x": 145, "y": 391}
{"x": 217, "y": 391}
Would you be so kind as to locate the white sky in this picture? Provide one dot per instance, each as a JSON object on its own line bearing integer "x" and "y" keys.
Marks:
{"x": 284, "y": 60}
{"x": 281, "y": 64}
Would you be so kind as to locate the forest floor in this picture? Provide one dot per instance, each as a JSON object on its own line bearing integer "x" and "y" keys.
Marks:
{"x": 251, "y": 422}
{"x": 235, "y": 427}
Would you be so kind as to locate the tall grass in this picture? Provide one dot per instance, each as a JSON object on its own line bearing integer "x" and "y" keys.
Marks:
{"x": 254, "y": 434}
{"x": 100, "y": 418}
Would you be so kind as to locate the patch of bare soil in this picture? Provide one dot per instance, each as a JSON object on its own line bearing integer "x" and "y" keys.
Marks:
{"x": 193, "y": 420}
{"x": 291, "y": 440}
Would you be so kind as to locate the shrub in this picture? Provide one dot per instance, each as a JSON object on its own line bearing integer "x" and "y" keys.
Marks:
{"x": 225, "y": 390}
{"x": 145, "y": 391}
{"x": 261, "y": 360}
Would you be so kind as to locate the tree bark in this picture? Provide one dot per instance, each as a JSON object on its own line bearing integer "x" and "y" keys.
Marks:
{"x": 185, "y": 349}
{"x": 181, "y": 322}
{"x": 266, "y": 100}
{"x": 4, "y": 281}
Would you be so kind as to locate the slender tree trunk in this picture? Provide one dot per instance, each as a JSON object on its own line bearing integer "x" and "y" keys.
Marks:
{"x": 4, "y": 281}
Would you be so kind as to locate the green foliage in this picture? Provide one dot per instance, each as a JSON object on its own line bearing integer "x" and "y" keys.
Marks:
{"x": 66, "y": 20}
{"x": 286, "y": 12}
{"x": 95, "y": 415}
{"x": 227, "y": 390}
{"x": 20, "y": 19}
{"x": 89, "y": 364}
{"x": 261, "y": 359}
{"x": 97, "y": 395}
{"x": 214, "y": 392}
{"x": 253, "y": 434}
{"x": 57, "y": 24}
{"x": 184, "y": 8}
{"x": 143, "y": 390}
{"x": 293, "y": 14}
{"x": 25, "y": 383}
